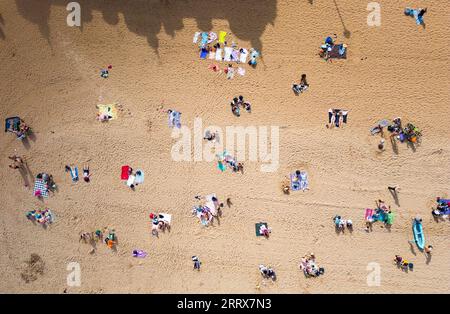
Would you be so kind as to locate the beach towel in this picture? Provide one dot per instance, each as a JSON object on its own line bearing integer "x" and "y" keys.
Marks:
{"x": 227, "y": 54}
{"x": 175, "y": 119}
{"x": 368, "y": 215}
{"x": 241, "y": 71}
{"x": 295, "y": 182}
{"x": 196, "y": 36}
{"x": 222, "y": 36}
{"x": 390, "y": 218}
{"x": 74, "y": 173}
{"x": 219, "y": 54}
{"x": 12, "y": 124}
{"x": 203, "y": 53}
{"x": 304, "y": 184}
{"x": 258, "y": 227}
{"x": 210, "y": 204}
{"x": 443, "y": 201}
{"x": 211, "y": 37}
{"x": 131, "y": 180}
{"x": 108, "y": 110}
{"x": 375, "y": 129}
{"x": 221, "y": 166}
{"x": 338, "y": 52}
{"x": 167, "y": 218}
{"x": 139, "y": 253}
{"x": 139, "y": 177}
{"x": 380, "y": 215}
{"x": 125, "y": 172}
{"x": 243, "y": 56}
{"x": 40, "y": 188}
{"x": 344, "y": 116}
{"x": 230, "y": 73}
{"x": 212, "y": 55}
{"x": 235, "y": 55}
{"x": 204, "y": 39}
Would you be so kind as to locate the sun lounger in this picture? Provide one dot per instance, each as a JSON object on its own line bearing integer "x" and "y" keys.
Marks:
{"x": 40, "y": 187}
{"x": 125, "y": 172}
{"x": 222, "y": 36}
{"x": 258, "y": 228}
{"x": 334, "y": 53}
{"x": 139, "y": 177}
{"x": 227, "y": 54}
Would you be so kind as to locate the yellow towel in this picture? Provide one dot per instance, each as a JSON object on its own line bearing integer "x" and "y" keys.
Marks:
{"x": 110, "y": 110}
{"x": 222, "y": 36}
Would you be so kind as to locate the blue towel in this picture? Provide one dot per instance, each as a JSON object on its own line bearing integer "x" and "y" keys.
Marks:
{"x": 203, "y": 53}
{"x": 74, "y": 174}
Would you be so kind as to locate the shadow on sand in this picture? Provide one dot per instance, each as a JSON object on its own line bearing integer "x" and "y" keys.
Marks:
{"x": 247, "y": 19}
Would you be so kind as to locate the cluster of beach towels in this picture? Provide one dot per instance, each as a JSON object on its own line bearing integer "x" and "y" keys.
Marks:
{"x": 309, "y": 266}
{"x": 215, "y": 47}
{"x": 160, "y": 221}
{"x": 42, "y": 216}
{"x": 409, "y": 133}
{"x": 299, "y": 181}
{"x": 207, "y": 210}
{"x": 379, "y": 214}
{"x": 132, "y": 178}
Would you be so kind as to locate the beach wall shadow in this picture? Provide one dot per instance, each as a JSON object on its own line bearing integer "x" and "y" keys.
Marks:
{"x": 247, "y": 19}
{"x": 2, "y": 22}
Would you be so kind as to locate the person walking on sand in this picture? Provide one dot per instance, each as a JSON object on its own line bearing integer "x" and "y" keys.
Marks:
{"x": 428, "y": 249}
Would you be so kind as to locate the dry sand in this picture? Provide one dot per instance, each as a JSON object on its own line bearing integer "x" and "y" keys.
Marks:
{"x": 50, "y": 77}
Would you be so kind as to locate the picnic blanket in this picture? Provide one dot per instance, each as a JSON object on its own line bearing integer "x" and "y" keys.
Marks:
{"x": 227, "y": 54}
{"x": 175, "y": 119}
{"x": 40, "y": 187}
{"x": 125, "y": 172}
{"x": 109, "y": 110}
{"x": 139, "y": 176}
{"x": 222, "y": 36}
{"x": 258, "y": 228}
{"x": 12, "y": 124}
{"x": 334, "y": 52}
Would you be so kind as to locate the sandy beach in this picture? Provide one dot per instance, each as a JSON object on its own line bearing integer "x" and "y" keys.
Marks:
{"x": 49, "y": 75}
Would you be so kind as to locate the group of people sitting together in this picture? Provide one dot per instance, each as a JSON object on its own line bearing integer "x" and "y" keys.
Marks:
{"x": 267, "y": 272}
{"x": 236, "y": 106}
{"x": 301, "y": 87}
{"x": 48, "y": 181}
{"x": 98, "y": 235}
{"x": 225, "y": 159}
{"x": 341, "y": 223}
{"x": 331, "y": 50}
{"x": 336, "y": 117}
{"x": 208, "y": 209}
{"x": 41, "y": 216}
{"x": 105, "y": 72}
{"x": 382, "y": 213}
{"x": 403, "y": 263}
{"x": 442, "y": 208}
{"x": 160, "y": 222}
{"x": 309, "y": 266}
{"x": 17, "y": 126}
{"x": 408, "y": 133}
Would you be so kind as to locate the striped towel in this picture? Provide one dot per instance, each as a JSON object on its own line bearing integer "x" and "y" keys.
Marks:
{"x": 39, "y": 185}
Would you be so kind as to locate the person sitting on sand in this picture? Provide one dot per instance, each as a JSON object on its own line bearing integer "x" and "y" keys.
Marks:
{"x": 428, "y": 249}
{"x": 247, "y": 106}
{"x": 235, "y": 110}
{"x": 197, "y": 262}
{"x": 398, "y": 259}
{"x": 303, "y": 86}
{"x": 17, "y": 162}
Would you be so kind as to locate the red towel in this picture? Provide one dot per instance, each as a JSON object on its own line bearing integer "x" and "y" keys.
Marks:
{"x": 125, "y": 172}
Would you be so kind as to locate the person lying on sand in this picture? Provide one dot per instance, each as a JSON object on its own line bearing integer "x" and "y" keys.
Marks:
{"x": 86, "y": 174}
